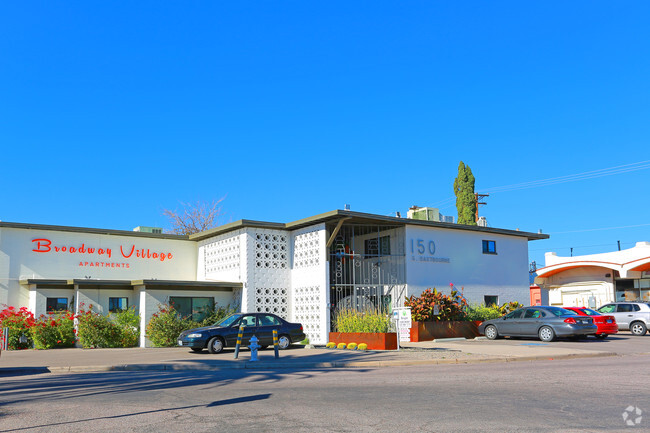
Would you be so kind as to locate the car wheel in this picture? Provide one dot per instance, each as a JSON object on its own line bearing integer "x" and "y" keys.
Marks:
{"x": 546, "y": 333}
{"x": 283, "y": 341}
{"x": 491, "y": 332}
{"x": 638, "y": 328}
{"x": 601, "y": 336}
{"x": 197, "y": 349}
{"x": 215, "y": 345}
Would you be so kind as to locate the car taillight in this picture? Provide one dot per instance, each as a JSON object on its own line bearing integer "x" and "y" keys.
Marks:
{"x": 570, "y": 321}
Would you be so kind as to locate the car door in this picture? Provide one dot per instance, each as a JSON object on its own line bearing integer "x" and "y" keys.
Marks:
{"x": 249, "y": 322}
{"x": 509, "y": 324}
{"x": 266, "y": 324}
{"x": 530, "y": 322}
{"x": 623, "y": 315}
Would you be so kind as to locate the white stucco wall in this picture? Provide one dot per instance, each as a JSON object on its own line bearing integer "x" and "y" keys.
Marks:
{"x": 52, "y": 254}
{"x": 437, "y": 257}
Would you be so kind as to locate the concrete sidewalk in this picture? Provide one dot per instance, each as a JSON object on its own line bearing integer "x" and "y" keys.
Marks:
{"x": 178, "y": 358}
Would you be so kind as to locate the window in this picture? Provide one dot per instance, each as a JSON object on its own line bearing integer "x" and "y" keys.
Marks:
{"x": 489, "y": 247}
{"x": 532, "y": 313}
{"x": 377, "y": 246}
{"x": 267, "y": 320}
{"x": 56, "y": 304}
{"x": 491, "y": 300}
{"x": 118, "y": 304}
{"x": 606, "y": 309}
{"x": 196, "y": 308}
{"x": 624, "y": 308}
{"x": 514, "y": 314}
{"x": 248, "y": 321}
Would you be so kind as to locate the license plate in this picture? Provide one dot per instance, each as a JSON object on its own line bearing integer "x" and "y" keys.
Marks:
{"x": 180, "y": 343}
{"x": 610, "y": 321}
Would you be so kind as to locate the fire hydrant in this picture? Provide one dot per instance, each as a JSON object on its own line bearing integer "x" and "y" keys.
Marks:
{"x": 253, "y": 346}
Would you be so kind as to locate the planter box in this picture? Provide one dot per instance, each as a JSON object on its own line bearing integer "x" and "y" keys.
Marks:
{"x": 427, "y": 331}
{"x": 379, "y": 341}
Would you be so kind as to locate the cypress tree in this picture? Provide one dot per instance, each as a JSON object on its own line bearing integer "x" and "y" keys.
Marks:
{"x": 465, "y": 199}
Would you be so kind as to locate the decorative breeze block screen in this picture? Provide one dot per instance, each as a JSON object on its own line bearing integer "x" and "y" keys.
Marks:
{"x": 306, "y": 301}
{"x": 271, "y": 251}
{"x": 272, "y": 300}
{"x": 222, "y": 255}
{"x": 306, "y": 250}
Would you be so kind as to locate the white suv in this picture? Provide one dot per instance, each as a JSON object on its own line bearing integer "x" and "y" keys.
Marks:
{"x": 634, "y": 316}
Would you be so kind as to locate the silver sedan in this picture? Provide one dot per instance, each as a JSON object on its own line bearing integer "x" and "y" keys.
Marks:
{"x": 543, "y": 322}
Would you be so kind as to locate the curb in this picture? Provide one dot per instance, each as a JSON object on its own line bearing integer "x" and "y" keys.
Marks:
{"x": 177, "y": 367}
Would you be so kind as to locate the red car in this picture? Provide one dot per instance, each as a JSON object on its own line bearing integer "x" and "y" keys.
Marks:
{"x": 606, "y": 324}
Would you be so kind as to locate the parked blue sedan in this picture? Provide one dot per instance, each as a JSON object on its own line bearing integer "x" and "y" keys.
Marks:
{"x": 543, "y": 322}
{"x": 224, "y": 333}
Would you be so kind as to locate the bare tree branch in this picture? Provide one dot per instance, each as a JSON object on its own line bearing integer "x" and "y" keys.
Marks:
{"x": 194, "y": 217}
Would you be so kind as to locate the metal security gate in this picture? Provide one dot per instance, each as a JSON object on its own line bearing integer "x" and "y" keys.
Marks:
{"x": 367, "y": 268}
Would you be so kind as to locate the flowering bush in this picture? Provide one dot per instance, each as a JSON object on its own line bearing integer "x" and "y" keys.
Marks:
{"x": 509, "y": 306}
{"x": 19, "y": 323}
{"x": 54, "y": 330}
{"x": 121, "y": 329}
{"x": 352, "y": 346}
{"x": 330, "y": 345}
{"x": 166, "y": 324}
{"x": 362, "y": 346}
{"x": 341, "y": 346}
{"x": 450, "y": 307}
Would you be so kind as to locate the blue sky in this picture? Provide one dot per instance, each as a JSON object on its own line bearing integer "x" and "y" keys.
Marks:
{"x": 110, "y": 113}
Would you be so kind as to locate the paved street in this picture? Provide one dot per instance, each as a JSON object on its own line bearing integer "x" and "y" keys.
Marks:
{"x": 567, "y": 395}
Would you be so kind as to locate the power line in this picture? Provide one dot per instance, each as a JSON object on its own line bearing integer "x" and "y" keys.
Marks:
{"x": 610, "y": 171}
{"x": 595, "y": 230}
{"x": 626, "y": 168}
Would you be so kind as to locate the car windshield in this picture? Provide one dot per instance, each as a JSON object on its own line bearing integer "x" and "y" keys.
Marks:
{"x": 557, "y": 311}
{"x": 228, "y": 320}
{"x": 590, "y": 312}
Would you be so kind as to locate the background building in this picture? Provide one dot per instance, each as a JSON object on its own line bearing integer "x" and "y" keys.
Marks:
{"x": 593, "y": 280}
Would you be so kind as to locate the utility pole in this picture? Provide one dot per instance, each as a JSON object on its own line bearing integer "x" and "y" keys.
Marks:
{"x": 479, "y": 197}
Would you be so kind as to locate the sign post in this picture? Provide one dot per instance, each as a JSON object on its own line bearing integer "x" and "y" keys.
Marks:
{"x": 402, "y": 317}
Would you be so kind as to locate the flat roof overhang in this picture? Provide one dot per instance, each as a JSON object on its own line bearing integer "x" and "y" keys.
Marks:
{"x": 358, "y": 218}
{"x": 219, "y": 286}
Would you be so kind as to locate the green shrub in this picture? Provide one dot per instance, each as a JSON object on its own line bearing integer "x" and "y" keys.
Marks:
{"x": 352, "y": 346}
{"x": 482, "y": 312}
{"x": 330, "y": 345}
{"x": 96, "y": 330}
{"x": 214, "y": 316}
{"x": 19, "y": 323}
{"x": 450, "y": 307}
{"x": 348, "y": 320}
{"x": 362, "y": 346}
{"x": 166, "y": 324}
{"x": 119, "y": 329}
{"x": 54, "y": 330}
{"x": 129, "y": 324}
{"x": 341, "y": 346}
